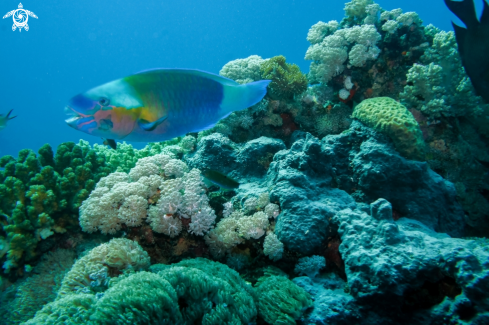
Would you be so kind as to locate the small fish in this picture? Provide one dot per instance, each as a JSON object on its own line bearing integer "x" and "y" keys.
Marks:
{"x": 219, "y": 179}
{"x": 160, "y": 104}
{"x": 111, "y": 143}
{"x": 473, "y": 43}
{"x": 5, "y": 119}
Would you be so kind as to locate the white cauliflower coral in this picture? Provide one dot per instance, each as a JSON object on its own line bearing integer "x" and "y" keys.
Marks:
{"x": 357, "y": 43}
{"x": 117, "y": 200}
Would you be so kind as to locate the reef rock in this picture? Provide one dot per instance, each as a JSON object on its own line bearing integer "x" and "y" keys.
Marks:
{"x": 300, "y": 179}
{"x": 407, "y": 263}
{"x": 367, "y": 165}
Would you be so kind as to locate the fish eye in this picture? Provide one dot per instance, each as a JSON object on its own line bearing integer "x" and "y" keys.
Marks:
{"x": 104, "y": 101}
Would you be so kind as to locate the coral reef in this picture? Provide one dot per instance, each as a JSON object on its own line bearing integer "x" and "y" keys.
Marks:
{"x": 365, "y": 180}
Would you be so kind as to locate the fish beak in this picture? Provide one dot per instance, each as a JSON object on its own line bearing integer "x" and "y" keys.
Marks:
{"x": 73, "y": 117}
{"x": 77, "y": 120}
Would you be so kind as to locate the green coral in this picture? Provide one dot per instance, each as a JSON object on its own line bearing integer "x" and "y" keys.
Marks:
{"x": 190, "y": 292}
{"x": 141, "y": 298}
{"x": 281, "y": 301}
{"x": 391, "y": 118}
{"x": 287, "y": 79}
{"x": 39, "y": 194}
{"x": 125, "y": 157}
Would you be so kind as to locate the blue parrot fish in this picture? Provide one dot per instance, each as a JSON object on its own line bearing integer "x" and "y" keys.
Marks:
{"x": 160, "y": 104}
{"x": 5, "y": 119}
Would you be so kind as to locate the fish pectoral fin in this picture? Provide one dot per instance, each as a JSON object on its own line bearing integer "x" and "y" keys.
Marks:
{"x": 150, "y": 126}
{"x": 8, "y": 115}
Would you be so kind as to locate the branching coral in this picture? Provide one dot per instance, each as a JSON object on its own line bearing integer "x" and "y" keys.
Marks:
{"x": 40, "y": 195}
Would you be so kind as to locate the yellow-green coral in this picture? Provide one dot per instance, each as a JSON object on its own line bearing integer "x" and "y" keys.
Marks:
{"x": 287, "y": 79}
{"x": 391, "y": 118}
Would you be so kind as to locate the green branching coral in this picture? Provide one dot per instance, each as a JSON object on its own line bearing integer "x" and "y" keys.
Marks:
{"x": 41, "y": 194}
{"x": 287, "y": 79}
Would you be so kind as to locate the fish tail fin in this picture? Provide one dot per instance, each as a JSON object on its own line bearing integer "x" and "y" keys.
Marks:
{"x": 238, "y": 97}
{"x": 465, "y": 11}
{"x": 8, "y": 115}
{"x": 255, "y": 91}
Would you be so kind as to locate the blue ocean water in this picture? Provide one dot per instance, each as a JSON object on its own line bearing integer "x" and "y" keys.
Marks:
{"x": 75, "y": 46}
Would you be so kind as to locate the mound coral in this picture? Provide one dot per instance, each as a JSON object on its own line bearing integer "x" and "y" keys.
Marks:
{"x": 40, "y": 195}
{"x": 391, "y": 118}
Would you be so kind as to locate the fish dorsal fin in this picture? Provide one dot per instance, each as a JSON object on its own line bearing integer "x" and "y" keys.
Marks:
{"x": 465, "y": 11}
{"x": 150, "y": 126}
{"x": 215, "y": 77}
